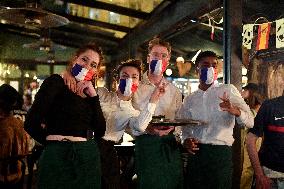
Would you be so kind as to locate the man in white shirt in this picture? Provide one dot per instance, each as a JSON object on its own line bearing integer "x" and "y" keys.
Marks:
{"x": 219, "y": 105}
{"x": 157, "y": 156}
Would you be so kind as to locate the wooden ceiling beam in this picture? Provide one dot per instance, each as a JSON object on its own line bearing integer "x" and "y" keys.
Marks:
{"x": 164, "y": 21}
{"x": 91, "y": 22}
{"x": 78, "y": 40}
{"x": 69, "y": 35}
{"x": 87, "y": 32}
{"x": 111, "y": 7}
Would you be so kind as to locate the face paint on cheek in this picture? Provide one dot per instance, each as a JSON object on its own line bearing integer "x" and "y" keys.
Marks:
{"x": 81, "y": 73}
{"x": 158, "y": 67}
{"x": 127, "y": 87}
{"x": 208, "y": 75}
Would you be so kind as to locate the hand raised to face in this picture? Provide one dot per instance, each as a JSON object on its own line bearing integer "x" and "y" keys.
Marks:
{"x": 85, "y": 88}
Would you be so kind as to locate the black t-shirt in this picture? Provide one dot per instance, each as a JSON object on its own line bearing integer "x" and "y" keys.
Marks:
{"x": 269, "y": 122}
{"x": 63, "y": 112}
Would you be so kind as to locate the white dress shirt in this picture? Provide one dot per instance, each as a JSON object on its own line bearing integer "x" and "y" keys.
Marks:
{"x": 167, "y": 105}
{"x": 204, "y": 106}
{"x": 120, "y": 114}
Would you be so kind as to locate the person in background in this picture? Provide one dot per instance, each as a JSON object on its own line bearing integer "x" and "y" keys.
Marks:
{"x": 248, "y": 91}
{"x": 254, "y": 100}
{"x": 13, "y": 140}
{"x": 27, "y": 102}
{"x": 157, "y": 155}
{"x": 218, "y": 105}
{"x": 61, "y": 120}
{"x": 268, "y": 163}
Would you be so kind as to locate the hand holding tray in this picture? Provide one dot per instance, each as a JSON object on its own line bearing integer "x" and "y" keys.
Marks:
{"x": 162, "y": 121}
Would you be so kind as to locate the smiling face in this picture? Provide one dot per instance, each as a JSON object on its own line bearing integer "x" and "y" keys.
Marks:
{"x": 130, "y": 72}
{"x": 89, "y": 60}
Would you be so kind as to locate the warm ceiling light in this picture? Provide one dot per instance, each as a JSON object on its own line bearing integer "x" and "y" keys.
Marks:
{"x": 180, "y": 59}
{"x": 169, "y": 72}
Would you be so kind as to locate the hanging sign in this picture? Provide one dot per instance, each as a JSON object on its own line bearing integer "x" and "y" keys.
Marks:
{"x": 280, "y": 33}
{"x": 263, "y": 36}
{"x": 247, "y": 35}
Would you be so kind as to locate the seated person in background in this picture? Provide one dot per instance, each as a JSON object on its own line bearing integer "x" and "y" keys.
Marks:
{"x": 268, "y": 164}
{"x": 219, "y": 105}
{"x": 13, "y": 139}
{"x": 27, "y": 102}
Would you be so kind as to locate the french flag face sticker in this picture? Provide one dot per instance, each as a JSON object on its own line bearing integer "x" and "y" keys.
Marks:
{"x": 158, "y": 66}
{"x": 81, "y": 73}
{"x": 127, "y": 87}
{"x": 208, "y": 75}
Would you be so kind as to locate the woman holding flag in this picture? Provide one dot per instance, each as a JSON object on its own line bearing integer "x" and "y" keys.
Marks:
{"x": 60, "y": 119}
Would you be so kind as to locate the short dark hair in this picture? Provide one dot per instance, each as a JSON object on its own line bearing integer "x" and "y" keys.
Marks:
{"x": 255, "y": 99}
{"x": 204, "y": 54}
{"x": 10, "y": 99}
{"x": 131, "y": 63}
{"x": 251, "y": 87}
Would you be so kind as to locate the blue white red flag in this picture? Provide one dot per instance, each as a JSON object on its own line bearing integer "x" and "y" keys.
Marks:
{"x": 158, "y": 66}
{"x": 127, "y": 87}
{"x": 81, "y": 73}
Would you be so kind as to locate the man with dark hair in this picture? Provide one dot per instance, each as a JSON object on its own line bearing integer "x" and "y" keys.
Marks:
{"x": 268, "y": 164}
{"x": 158, "y": 159}
{"x": 219, "y": 105}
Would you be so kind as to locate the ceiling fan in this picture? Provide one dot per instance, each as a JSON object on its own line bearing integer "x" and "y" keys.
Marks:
{"x": 44, "y": 44}
{"x": 32, "y": 16}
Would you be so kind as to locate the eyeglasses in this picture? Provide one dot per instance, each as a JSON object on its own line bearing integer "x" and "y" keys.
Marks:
{"x": 157, "y": 55}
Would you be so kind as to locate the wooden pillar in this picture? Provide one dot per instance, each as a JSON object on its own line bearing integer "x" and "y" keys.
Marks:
{"x": 233, "y": 69}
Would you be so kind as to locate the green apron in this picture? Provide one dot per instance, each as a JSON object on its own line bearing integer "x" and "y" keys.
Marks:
{"x": 210, "y": 168}
{"x": 158, "y": 162}
{"x": 68, "y": 165}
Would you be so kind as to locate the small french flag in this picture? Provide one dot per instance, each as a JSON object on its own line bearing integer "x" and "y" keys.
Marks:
{"x": 208, "y": 75}
{"x": 81, "y": 73}
{"x": 127, "y": 87}
{"x": 158, "y": 66}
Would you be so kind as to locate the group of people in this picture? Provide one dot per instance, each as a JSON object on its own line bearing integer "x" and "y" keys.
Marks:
{"x": 79, "y": 124}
